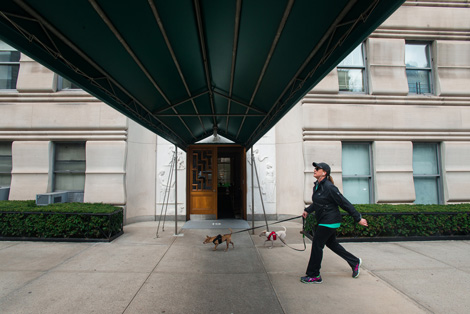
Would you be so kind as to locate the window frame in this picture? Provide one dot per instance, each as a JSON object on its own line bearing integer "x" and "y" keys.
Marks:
{"x": 427, "y": 69}
{"x": 11, "y": 64}
{"x": 438, "y": 176}
{"x": 72, "y": 172}
{"x": 370, "y": 177}
{"x": 365, "y": 86}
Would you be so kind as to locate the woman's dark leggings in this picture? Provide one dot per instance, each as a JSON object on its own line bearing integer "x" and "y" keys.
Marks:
{"x": 326, "y": 236}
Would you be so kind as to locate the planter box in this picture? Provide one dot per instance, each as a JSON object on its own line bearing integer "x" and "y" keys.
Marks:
{"x": 416, "y": 226}
{"x": 57, "y": 226}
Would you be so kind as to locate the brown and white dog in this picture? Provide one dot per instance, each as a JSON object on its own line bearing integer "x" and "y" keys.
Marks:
{"x": 273, "y": 235}
{"x": 219, "y": 239}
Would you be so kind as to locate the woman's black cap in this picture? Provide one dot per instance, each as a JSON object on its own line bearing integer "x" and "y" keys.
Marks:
{"x": 323, "y": 166}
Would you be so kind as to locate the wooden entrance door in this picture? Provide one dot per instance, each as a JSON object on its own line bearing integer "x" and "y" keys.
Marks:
{"x": 203, "y": 180}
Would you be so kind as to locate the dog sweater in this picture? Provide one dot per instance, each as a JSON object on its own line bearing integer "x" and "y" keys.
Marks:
{"x": 218, "y": 239}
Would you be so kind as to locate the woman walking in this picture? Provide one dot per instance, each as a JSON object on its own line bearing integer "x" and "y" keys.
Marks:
{"x": 325, "y": 201}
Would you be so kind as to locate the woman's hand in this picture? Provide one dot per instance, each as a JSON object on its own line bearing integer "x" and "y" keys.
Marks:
{"x": 304, "y": 214}
{"x": 363, "y": 222}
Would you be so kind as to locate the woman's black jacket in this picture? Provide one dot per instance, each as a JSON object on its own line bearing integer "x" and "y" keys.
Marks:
{"x": 326, "y": 199}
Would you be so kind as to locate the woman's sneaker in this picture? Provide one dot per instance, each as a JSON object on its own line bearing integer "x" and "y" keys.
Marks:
{"x": 308, "y": 279}
{"x": 356, "y": 269}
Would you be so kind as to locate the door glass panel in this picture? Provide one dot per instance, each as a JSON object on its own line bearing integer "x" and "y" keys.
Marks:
{"x": 202, "y": 170}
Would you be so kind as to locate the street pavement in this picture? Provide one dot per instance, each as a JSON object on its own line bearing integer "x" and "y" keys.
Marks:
{"x": 141, "y": 273}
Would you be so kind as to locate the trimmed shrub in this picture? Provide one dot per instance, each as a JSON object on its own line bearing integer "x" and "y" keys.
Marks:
{"x": 404, "y": 221}
{"x": 78, "y": 221}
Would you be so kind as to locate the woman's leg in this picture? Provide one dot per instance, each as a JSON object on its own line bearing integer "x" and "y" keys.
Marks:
{"x": 334, "y": 245}
{"x": 320, "y": 238}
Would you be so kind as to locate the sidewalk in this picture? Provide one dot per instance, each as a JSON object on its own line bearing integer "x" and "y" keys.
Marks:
{"x": 139, "y": 273}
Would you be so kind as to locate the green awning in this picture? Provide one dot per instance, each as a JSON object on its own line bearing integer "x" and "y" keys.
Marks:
{"x": 186, "y": 69}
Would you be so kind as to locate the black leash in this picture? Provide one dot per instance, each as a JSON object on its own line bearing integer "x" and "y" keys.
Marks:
{"x": 303, "y": 236}
{"x": 277, "y": 222}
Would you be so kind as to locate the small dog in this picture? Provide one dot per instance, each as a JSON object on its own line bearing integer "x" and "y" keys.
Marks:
{"x": 227, "y": 238}
{"x": 273, "y": 235}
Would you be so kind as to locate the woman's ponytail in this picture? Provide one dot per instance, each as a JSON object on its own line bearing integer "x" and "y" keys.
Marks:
{"x": 331, "y": 179}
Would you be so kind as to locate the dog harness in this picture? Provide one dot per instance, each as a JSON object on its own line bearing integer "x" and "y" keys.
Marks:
{"x": 272, "y": 234}
{"x": 218, "y": 239}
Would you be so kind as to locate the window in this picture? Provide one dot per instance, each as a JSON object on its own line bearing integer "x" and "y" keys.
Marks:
{"x": 9, "y": 66}
{"x": 64, "y": 84}
{"x": 351, "y": 71}
{"x": 357, "y": 172}
{"x": 69, "y": 166}
{"x": 426, "y": 174}
{"x": 418, "y": 68}
{"x": 224, "y": 171}
{"x": 5, "y": 164}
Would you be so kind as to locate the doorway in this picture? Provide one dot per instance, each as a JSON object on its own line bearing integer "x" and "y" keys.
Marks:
{"x": 216, "y": 182}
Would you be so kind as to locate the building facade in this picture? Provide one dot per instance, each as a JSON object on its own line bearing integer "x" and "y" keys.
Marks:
{"x": 392, "y": 120}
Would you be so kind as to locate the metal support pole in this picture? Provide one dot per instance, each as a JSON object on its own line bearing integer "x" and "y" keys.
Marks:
{"x": 252, "y": 193}
{"x": 176, "y": 190}
{"x": 261, "y": 196}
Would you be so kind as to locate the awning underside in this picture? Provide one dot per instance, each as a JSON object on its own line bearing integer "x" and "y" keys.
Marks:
{"x": 185, "y": 69}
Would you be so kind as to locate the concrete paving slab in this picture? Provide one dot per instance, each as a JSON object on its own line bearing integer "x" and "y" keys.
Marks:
{"x": 13, "y": 280}
{"x": 380, "y": 256}
{"x": 439, "y": 290}
{"x": 116, "y": 258}
{"x": 5, "y": 244}
{"x": 337, "y": 294}
{"x": 145, "y": 233}
{"x": 196, "y": 237}
{"x": 38, "y": 256}
{"x": 206, "y": 293}
{"x": 202, "y": 260}
{"x": 141, "y": 274}
{"x": 65, "y": 292}
{"x": 454, "y": 253}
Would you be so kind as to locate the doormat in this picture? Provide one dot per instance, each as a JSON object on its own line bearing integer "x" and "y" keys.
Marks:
{"x": 216, "y": 224}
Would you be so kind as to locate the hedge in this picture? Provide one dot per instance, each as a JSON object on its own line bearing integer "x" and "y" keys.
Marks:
{"x": 404, "y": 222}
{"x": 24, "y": 220}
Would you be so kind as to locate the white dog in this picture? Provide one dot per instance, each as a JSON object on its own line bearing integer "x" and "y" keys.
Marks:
{"x": 273, "y": 236}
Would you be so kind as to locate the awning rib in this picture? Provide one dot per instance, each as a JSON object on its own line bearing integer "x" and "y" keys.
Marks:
{"x": 280, "y": 28}
{"x": 236, "y": 31}
{"x": 129, "y": 50}
{"x": 326, "y": 36}
{"x": 175, "y": 59}
{"x": 202, "y": 41}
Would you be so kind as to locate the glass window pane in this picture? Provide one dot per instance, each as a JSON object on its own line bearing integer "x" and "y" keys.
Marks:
{"x": 355, "y": 58}
{"x": 70, "y": 166}
{"x": 70, "y": 151}
{"x": 426, "y": 190}
{"x": 66, "y": 84}
{"x": 355, "y": 159}
{"x": 419, "y": 81}
{"x": 356, "y": 190}
{"x": 5, "y": 164}
{"x": 425, "y": 159}
{"x": 416, "y": 55}
{"x": 5, "y": 179}
{"x": 5, "y": 148}
{"x": 350, "y": 80}
{"x": 69, "y": 182}
{"x": 71, "y": 159}
{"x": 8, "y": 76}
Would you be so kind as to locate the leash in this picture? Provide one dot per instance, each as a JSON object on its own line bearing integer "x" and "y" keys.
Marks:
{"x": 303, "y": 235}
{"x": 262, "y": 226}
